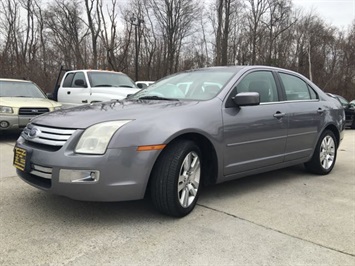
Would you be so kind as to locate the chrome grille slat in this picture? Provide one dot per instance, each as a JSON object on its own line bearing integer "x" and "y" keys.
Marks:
{"x": 57, "y": 131}
{"x": 50, "y": 136}
{"x": 45, "y": 172}
{"x": 48, "y": 142}
{"x": 40, "y": 174}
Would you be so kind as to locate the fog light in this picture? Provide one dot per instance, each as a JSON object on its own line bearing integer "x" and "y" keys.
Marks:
{"x": 4, "y": 124}
{"x": 78, "y": 176}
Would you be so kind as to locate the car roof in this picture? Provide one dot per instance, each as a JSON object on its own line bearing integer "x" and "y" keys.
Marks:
{"x": 245, "y": 67}
{"x": 16, "y": 80}
{"x": 95, "y": 70}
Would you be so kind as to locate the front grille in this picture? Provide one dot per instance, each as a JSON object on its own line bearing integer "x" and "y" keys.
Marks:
{"x": 33, "y": 110}
{"x": 48, "y": 136}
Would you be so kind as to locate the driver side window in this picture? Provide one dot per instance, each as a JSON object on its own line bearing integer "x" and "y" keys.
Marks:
{"x": 79, "y": 76}
{"x": 262, "y": 82}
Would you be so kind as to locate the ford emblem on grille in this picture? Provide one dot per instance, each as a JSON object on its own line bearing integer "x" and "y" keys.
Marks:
{"x": 34, "y": 111}
{"x": 34, "y": 132}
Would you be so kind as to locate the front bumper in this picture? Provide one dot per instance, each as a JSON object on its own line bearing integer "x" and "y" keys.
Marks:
{"x": 9, "y": 122}
{"x": 123, "y": 173}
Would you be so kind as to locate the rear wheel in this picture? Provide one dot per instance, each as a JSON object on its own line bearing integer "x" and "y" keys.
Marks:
{"x": 353, "y": 123}
{"x": 324, "y": 155}
{"x": 175, "y": 183}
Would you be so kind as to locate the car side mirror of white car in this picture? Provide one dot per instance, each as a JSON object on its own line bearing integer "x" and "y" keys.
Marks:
{"x": 80, "y": 83}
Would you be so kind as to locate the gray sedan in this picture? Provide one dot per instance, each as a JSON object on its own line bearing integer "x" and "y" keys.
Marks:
{"x": 190, "y": 129}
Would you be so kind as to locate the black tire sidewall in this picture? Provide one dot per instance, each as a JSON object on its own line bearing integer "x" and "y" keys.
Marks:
{"x": 192, "y": 147}
{"x": 352, "y": 126}
{"x": 314, "y": 165}
{"x": 165, "y": 176}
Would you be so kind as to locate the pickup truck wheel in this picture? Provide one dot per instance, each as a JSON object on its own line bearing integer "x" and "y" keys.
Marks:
{"x": 324, "y": 155}
{"x": 175, "y": 183}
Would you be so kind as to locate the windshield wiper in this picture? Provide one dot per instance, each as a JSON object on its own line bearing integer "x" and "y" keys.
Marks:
{"x": 125, "y": 86}
{"x": 154, "y": 97}
{"x": 103, "y": 85}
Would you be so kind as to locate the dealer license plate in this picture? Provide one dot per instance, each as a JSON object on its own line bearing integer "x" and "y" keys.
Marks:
{"x": 20, "y": 156}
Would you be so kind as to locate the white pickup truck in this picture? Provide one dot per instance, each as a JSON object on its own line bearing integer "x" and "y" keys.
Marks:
{"x": 88, "y": 86}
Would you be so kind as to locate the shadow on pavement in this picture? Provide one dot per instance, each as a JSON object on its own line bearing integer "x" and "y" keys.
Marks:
{"x": 108, "y": 213}
{"x": 9, "y": 135}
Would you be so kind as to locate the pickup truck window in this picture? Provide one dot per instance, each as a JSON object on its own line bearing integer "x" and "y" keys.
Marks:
{"x": 79, "y": 76}
{"x": 105, "y": 79}
{"x": 68, "y": 80}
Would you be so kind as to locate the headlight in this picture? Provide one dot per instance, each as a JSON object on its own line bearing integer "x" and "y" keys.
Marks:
{"x": 6, "y": 110}
{"x": 96, "y": 138}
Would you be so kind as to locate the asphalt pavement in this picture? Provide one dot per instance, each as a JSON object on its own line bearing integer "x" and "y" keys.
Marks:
{"x": 285, "y": 217}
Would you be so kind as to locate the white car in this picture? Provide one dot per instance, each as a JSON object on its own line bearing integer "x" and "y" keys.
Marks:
{"x": 90, "y": 86}
{"x": 20, "y": 101}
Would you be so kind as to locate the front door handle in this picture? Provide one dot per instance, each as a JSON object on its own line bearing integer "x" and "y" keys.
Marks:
{"x": 84, "y": 101}
{"x": 279, "y": 115}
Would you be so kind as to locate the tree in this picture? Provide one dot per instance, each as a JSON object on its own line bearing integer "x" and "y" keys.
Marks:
{"x": 68, "y": 33}
{"x": 257, "y": 8}
{"x": 279, "y": 20}
{"x": 94, "y": 24}
{"x": 10, "y": 31}
{"x": 175, "y": 19}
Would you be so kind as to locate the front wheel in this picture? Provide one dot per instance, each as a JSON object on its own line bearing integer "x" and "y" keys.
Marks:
{"x": 176, "y": 177}
{"x": 324, "y": 155}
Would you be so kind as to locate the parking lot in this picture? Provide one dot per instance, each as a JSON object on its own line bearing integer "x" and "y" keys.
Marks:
{"x": 285, "y": 217}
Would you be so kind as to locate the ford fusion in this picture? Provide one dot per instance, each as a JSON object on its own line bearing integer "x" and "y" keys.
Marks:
{"x": 194, "y": 128}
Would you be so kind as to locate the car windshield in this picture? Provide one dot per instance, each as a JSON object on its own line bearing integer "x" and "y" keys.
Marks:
{"x": 20, "y": 89}
{"x": 106, "y": 79}
{"x": 342, "y": 100}
{"x": 194, "y": 85}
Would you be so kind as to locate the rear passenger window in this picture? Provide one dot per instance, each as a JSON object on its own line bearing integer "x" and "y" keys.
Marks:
{"x": 68, "y": 80}
{"x": 296, "y": 89}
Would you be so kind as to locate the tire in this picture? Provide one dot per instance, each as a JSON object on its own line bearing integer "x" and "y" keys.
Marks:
{"x": 324, "y": 156}
{"x": 176, "y": 176}
{"x": 352, "y": 126}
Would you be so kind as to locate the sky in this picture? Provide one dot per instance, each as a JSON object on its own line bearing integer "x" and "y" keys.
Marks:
{"x": 339, "y": 13}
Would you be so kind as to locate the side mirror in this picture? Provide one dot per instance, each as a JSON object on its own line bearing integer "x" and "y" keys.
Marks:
{"x": 247, "y": 99}
{"x": 50, "y": 95}
{"x": 80, "y": 83}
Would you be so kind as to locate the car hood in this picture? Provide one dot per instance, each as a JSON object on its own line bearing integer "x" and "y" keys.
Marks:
{"x": 115, "y": 90}
{"x": 87, "y": 115}
{"x": 18, "y": 102}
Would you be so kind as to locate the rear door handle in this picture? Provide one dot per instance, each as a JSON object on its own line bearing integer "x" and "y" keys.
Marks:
{"x": 279, "y": 115}
{"x": 84, "y": 101}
